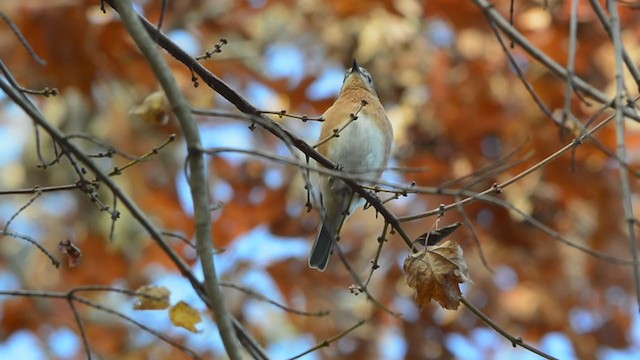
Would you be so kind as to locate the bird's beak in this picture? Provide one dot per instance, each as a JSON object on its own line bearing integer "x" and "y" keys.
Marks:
{"x": 355, "y": 67}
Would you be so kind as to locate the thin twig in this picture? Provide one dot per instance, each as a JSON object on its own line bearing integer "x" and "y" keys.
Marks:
{"x": 527, "y": 85}
{"x": 361, "y": 288}
{"x": 46, "y": 92}
{"x": 515, "y": 341}
{"x": 327, "y": 342}
{"x": 154, "y": 151}
{"x": 37, "y": 189}
{"x": 469, "y": 225}
{"x": 22, "y": 39}
{"x": 374, "y": 263}
{"x": 217, "y": 48}
{"x": 21, "y": 209}
{"x": 512, "y": 8}
{"x": 179, "y": 237}
{"x": 261, "y": 297}
{"x": 571, "y": 66}
{"x": 115, "y": 215}
{"x": 621, "y": 144}
{"x": 336, "y": 132}
{"x": 107, "y": 146}
{"x": 633, "y": 69}
{"x": 53, "y": 259}
{"x": 283, "y": 113}
{"x": 105, "y": 288}
{"x": 27, "y": 101}
{"x": 495, "y": 167}
{"x": 81, "y": 329}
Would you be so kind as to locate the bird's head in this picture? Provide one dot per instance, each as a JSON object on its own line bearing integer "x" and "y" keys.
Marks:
{"x": 358, "y": 77}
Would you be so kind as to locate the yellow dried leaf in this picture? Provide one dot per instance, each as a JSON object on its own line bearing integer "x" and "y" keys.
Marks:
{"x": 152, "y": 298}
{"x": 435, "y": 274}
{"x": 184, "y": 316}
{"x": 152, "y": 110}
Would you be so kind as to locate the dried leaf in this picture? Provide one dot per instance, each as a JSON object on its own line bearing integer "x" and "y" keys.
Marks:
{"x": 184, "y": 316}
{"x": 152, "y": 110}
{"x": 432, "y": 238}
{"x": 435, "y": 274}
{"x": 73, "y": 252}
{"x": 152, "y": 298}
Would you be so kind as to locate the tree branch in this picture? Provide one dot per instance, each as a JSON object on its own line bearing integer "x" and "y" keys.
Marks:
{"x": 544, "y": 59}
{"x": 622, "y": 147}
{"x": 197, "y": 180}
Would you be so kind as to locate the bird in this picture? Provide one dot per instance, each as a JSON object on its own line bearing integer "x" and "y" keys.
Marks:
{"x": 357, "y": 136}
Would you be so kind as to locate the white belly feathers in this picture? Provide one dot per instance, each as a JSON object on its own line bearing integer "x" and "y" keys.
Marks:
{"x": 359, "y": 148}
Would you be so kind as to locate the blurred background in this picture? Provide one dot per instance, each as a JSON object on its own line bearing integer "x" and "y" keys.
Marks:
{"x": 456, "y": 105}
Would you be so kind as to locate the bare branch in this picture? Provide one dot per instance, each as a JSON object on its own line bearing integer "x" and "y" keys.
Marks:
{"x": 633, "y": 69}
{"x": 21, "y": 209}
{"x": 499, "y": 187}
{"x": 571, "y": 66}
{"x": 543, "y": 58}
{"x": 515, "y": 341}
{"x": 261, "y": 297}
{"x": 14, "y": 235}
{"x": 197, "y": 181}
{"x": 22, "y": 39}
{"x": 326, "y": 343}
{"x": 622, "y": 147}
{"x": 154, "y": 151}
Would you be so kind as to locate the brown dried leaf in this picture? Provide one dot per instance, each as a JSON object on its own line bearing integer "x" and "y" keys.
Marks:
{"x": 435, "y": 274}
{"x": 184, "y": 316}
{"x": 73, "y": 252}
{"x": 152, "y": 110}
{"x": 152, "y": 298}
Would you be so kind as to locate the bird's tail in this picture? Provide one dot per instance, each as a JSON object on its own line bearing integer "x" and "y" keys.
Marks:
{"x": 322, "y": 247}
{"x": 336, "y": 209}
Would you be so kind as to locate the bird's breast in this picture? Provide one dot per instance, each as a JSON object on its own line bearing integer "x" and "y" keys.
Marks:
{"x": 361, "y": 146}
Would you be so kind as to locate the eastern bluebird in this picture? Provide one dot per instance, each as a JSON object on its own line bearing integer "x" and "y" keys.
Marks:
{"x": 364, "y": 144}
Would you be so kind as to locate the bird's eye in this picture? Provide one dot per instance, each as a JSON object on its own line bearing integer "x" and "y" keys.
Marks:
{"x": 363, "y": 72}
{"x": 367, "y": 76}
